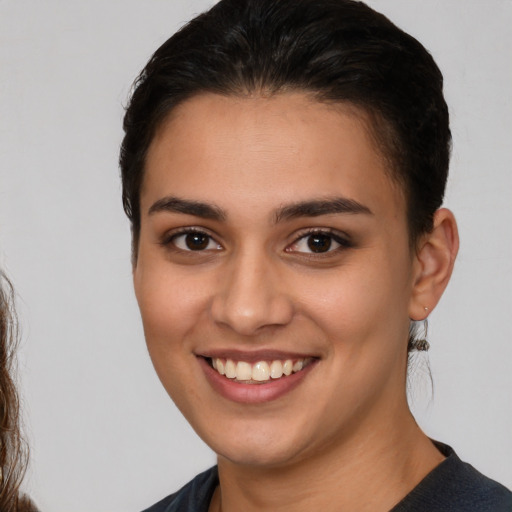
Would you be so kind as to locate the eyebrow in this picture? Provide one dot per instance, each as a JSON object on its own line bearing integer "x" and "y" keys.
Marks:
{"x": 196, "y": 208}
{"x": 318, "y": 207}
{"x": 312, "y": 208}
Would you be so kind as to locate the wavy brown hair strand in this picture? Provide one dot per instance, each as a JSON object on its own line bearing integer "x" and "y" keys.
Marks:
{"x": 13, "y": 449}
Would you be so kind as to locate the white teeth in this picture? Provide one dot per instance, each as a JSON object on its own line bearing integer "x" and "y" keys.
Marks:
{"x": 230, "y": 369}
{"x": 261, "y": 371}
{"x": 243, "y": 371}
{"x": 276, "y": 369}
{"x": 297, "y": 367}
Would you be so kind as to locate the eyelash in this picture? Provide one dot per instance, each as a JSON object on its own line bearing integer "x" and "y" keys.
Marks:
{"x": 169, "y": 241}
{"x": 334, "y": 236}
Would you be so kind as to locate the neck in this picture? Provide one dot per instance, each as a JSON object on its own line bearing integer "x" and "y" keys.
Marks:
{"x": 371, "y": 470}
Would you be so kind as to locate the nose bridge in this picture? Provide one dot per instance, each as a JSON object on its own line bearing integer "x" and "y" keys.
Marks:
{"x": 251, "y": 295}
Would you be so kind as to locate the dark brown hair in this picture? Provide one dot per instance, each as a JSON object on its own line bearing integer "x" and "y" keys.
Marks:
{"x": 13, "y": 449}
{"x": 335, "y": 50}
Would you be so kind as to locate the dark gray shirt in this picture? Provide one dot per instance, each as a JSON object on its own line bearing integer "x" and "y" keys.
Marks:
{"x": 453, "y": 486}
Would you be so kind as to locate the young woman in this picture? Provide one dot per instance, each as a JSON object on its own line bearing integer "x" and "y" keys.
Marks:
{"x": 13, "y": 453}
{"x": 284, "y": 166}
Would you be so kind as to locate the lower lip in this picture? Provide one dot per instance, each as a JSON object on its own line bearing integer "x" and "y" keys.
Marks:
{"x": 253, "y": 393}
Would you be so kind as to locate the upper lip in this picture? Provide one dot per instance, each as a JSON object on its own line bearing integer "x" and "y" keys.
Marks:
{"x": 253, "y": 356}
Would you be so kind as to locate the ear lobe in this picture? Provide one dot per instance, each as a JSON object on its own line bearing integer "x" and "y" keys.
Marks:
{"x": 435, "y": 258}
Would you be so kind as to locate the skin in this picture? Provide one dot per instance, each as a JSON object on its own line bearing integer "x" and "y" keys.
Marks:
{"x": 343, "y": 439}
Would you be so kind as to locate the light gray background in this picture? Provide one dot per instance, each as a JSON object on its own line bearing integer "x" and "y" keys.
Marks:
{"x": 104, "y": 435}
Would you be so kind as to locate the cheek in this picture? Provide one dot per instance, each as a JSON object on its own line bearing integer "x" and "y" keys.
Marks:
{"x": 171, "y": 304}
{"x": 361, "y": 305}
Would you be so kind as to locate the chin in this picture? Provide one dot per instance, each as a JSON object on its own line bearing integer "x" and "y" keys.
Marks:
{"x": 268, "y": 448}
{"x": 258, "y": 457}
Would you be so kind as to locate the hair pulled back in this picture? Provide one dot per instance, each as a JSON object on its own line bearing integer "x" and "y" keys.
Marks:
{"x": 338, "y": 51}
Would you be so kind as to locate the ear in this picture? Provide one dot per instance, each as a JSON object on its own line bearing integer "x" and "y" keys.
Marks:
{"x": 433, "y": 265}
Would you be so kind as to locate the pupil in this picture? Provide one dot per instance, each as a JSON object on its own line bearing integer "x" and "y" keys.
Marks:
{"x": 319, "y": 243}
{"x": 196, "y": 241}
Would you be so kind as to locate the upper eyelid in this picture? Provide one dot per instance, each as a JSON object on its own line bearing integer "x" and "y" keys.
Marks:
{"x": 183, "y": 230}
{"x": 335, "y": 233}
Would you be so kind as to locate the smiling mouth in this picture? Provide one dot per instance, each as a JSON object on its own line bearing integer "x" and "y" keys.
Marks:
{"x": 260, "y": 372}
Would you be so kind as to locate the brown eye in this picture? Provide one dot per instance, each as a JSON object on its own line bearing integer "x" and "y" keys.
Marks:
{"x": 319, "y": 242}
{"x": 195, "y": 241}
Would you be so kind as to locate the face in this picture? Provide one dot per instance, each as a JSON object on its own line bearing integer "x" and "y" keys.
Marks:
{"x": 274, "y": 276}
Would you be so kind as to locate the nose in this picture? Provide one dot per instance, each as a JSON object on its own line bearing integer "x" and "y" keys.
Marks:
{"x": 252, "y": 296}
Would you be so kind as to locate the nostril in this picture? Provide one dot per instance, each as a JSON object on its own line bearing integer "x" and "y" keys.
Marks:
{"x": 250, "y": 300}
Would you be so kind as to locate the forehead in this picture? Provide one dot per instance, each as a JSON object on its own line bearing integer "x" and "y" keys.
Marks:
{"x": 269, "y": 149}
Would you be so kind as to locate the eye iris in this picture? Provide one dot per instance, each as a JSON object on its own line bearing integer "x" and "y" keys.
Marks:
{"x": 319, "y": 243}
{"x": 196, "y": 241}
